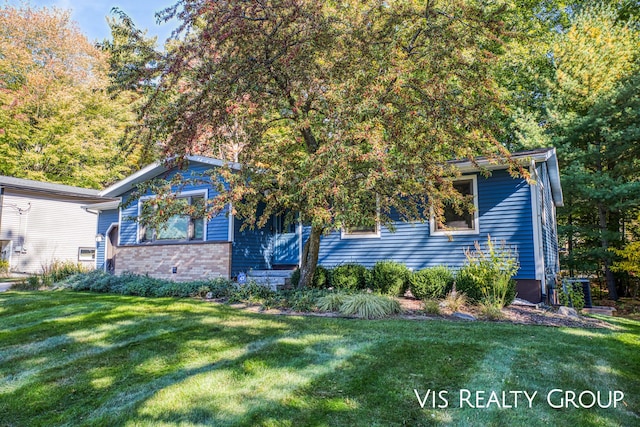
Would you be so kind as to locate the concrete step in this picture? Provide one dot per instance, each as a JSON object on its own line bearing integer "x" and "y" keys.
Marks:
{"x": 274, "y": 279}
{"x": 607, "y": 311}
{"x": 270, "y": 273}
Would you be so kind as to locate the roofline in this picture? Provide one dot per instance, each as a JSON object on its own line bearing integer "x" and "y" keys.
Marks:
{"x": 155, "y": 169}
{"x": 542, "y": 155}
{"x": 48, "y": 187}
{"x": 103, "y": 206}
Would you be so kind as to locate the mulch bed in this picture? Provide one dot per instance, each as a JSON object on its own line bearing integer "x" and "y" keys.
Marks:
{"x": 516, "y": 314}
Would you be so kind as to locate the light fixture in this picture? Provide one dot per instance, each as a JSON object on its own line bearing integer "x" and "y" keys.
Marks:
{"x": 99, "y": 237}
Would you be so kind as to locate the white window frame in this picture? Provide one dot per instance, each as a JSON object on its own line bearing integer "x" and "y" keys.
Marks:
{"x": 85, "y": 259}
{"x": 345, "y": 234}
{"x": 191, "y": 193}
{"x": 476, "y": 216}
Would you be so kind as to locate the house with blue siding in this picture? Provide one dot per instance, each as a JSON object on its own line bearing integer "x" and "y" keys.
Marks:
{"x": 519, "y": 212}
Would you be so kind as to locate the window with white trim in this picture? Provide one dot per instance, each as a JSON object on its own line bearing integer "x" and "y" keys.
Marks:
{"x": 370, "y": 228}
{"x": 456, "y": 221}
{"x": 177, "y": 227}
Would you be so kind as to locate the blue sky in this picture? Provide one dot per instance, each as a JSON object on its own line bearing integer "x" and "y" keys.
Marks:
{"x": 90, "y": 15}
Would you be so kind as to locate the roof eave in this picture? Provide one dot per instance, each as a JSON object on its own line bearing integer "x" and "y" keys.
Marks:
{"x": 547, "y": 155}
{"x": 155, "y": 169}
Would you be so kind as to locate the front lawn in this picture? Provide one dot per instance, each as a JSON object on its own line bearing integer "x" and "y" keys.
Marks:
{"x": 71, "y": 358}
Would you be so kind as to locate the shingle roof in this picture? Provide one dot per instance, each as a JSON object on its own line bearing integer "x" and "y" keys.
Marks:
{"x": 47, "y": 187}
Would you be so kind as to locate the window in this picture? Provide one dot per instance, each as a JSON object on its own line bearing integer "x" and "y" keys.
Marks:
{"x": 454, "y": 221}
{"x": 86, "y": 254}
{"x": 369, "y": 228}
{"x": 177, "y": 227}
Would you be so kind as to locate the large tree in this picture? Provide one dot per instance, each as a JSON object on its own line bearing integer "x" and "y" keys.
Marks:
{"x": 340, "y": 113}
{"x": 585, "y": 100}
{"x": 57, "y": 121}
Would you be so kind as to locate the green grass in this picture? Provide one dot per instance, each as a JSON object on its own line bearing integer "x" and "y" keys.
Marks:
{"x": 93, "y": 359}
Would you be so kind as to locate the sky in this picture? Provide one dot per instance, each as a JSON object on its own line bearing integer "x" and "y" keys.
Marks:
{"x": 90, "y": 15}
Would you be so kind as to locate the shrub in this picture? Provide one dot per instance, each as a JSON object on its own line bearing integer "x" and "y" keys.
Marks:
{"x": 572, "y": 295}
{"x": 487, "y": 274}
{"x": 350, "y": 277}
{"x": 221, "y": 288}
{"x": 390, "y": 278}
{"x": 491, "y": 310}
{"x": 331, "y": 302}
{"x": 251, "y": 293}
{"x": 4, "y": 266}
{"x": 369, "y": 306}
{"x": 133, "y": 284}
{"x": 432, "y": 306}
{"x": 31, "y": 283}
{"x": 60, "y": 270}
{"x": 296, "y": 300}
{"x": 321, "y": 278}
{"x": 431, "y": 283}
{"x": 454, "y": 301}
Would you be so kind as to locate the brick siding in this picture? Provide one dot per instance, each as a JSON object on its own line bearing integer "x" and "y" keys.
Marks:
{"x": 192, "y": 261}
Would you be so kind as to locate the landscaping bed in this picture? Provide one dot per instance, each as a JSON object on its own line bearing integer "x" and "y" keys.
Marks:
{"x": 413, "y": 309}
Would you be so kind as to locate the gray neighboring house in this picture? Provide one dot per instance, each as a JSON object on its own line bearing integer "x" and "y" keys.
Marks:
{"x": 42, "y": 222}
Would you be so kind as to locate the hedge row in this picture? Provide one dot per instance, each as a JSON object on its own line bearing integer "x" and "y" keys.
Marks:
{"x": 386, "y": 277}
{"x": 393, "y": 278}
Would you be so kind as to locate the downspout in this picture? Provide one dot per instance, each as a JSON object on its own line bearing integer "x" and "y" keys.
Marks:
{"x": 96, "y": 213}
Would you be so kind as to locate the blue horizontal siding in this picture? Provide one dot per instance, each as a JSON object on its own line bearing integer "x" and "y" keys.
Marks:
{"x": 252, "y": 249}
{"x": 105, "y": 219}
{"x": 217, "y": 227}
{"x": 504, "y": 205}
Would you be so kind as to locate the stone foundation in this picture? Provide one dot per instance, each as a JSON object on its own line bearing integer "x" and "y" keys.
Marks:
{"x": 177, "y": 262}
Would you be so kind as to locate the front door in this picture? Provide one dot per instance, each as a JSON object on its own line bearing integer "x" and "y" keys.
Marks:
{"x": 286, "y": 243}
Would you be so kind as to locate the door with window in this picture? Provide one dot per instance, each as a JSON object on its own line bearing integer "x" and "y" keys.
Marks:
{"x": 286, "y": 242}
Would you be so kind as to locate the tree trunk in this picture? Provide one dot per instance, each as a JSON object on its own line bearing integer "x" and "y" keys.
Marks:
{"x": 604, "y": 241}
{"x": 310, "y": 258}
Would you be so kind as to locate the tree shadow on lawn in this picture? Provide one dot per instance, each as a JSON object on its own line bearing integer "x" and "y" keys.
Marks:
{"x": 215, "y": 365}
{"x": 375, "y": 384}
{"x": 87, "y": 361}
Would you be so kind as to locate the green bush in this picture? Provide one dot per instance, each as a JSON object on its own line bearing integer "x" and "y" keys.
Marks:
{"x": 321, "y": 278}
{"x": 369, "y": 306}
{"x": 296, "y": 300}
{"x": 4, "y": 266}
{"x": 31, "y": 283}
{"x": 487, "y": 274}
{"x": 133, "y": 284}
{"x": 571, "y": 295}
{"x": 350, "y": 277}
{"x": 431, "y": 283}
{"x": 432, "y": 306}
{"x": 252, "y": 293}
{"x": 390, "y": 278}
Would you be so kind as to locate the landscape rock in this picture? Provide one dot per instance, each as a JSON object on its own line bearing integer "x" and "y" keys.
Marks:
{"x": 464, "y": 316}
{"x": 568, "y": 312}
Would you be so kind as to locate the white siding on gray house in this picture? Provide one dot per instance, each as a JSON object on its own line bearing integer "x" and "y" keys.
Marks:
{"x": 37, "y": 228}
